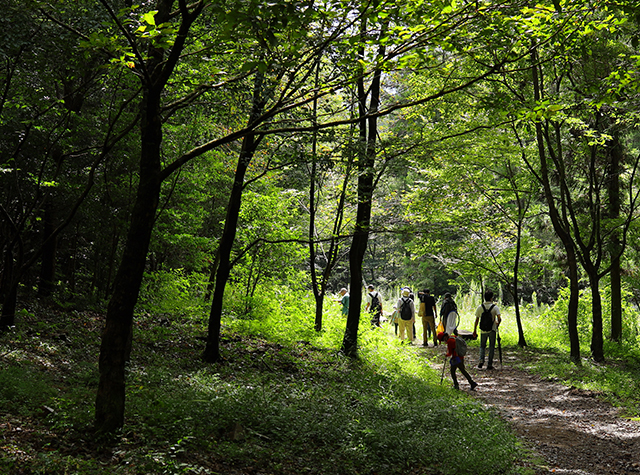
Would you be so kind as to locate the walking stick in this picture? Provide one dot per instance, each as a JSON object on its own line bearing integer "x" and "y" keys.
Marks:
{"x": 443, "y": 367}
{"x": 499, "y": 346}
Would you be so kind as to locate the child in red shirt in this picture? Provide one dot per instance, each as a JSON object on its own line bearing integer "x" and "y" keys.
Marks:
{"x": 456, "y": 361}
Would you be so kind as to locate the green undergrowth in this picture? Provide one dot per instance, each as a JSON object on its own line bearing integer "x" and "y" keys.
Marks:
{"x": 282, "y": 401}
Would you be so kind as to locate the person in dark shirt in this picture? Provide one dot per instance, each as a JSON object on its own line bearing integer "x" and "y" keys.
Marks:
{"x": 449, "y": 320}
{"x": 428, "y": 313}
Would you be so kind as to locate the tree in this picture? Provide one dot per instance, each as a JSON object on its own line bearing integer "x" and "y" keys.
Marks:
{"x": 575, "y": 188}
{"x": 54, "y": 145}
{"x": 156, "y": 70}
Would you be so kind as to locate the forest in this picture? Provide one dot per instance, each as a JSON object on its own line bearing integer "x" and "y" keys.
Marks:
{"x": 184, "y": 178}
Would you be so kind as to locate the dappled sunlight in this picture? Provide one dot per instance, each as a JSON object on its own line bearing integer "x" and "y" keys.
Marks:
{"x": 574, "y": 431}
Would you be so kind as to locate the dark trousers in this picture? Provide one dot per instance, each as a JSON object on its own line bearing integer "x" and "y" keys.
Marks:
{"x": 463, "y": 370}
{"x": 375, "y": 319}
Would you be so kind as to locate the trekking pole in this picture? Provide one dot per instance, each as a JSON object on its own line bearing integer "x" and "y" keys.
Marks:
{"x": 444, "y": 365}
{"x": 499, "y": 346}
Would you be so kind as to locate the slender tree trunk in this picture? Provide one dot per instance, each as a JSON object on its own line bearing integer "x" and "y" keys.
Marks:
{"x": 212, "y": 350}
{"x": 572, "y": 310}
{"x": 317, "y": 290}
{"x": 366, "y": 161}
{"x": 522, "y": 342}
{"x": 249, "y": 145}
{"x": 523, "y": 206}
{"x": 116, "y": 337}
{"x": 46, "y": 284}
{"x": 558, "y": 225}
{"x": 613, "y": 182}
{"x": 597, "y": 339}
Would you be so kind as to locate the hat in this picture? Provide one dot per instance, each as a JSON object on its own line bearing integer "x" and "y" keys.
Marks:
{"x": 441, "y": 336}
{"x": 405, "y": 292}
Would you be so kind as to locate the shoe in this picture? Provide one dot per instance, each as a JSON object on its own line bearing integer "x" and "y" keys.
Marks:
{"x": 480, "y": 365}
{"x": 425, "y": 344}
{"x": 473, "y": 386}
{"x": 490, "y": 367}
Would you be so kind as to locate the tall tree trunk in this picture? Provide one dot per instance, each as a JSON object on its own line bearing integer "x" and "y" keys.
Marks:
{"x": 597, "y": 339}
{"x": 48, "y": 261}
{"x": 116, "y": 337}
{"x": 318, "y": 292}
{"x": 523, "y": 206}
{"x": 613, "y": 182}
{"x": 572, "y": 310}
{"x": 558, "y": 224}
{"x": 249, "y": 145}
{"x": 368, "y": 132}
{"x": 115, "y": 346}
{"x": 522, "y": 342}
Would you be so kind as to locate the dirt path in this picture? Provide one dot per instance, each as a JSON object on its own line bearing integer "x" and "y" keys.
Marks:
{"x": 570, "y": 431}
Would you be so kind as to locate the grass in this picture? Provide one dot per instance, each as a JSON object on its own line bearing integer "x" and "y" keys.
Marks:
{"x": 284, "y": 400}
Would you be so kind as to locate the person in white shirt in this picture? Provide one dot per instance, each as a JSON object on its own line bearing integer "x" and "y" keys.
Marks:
{"x": 488, "y": 329}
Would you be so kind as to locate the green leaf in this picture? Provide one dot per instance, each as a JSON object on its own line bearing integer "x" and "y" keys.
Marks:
{"x": 150, "y": 17}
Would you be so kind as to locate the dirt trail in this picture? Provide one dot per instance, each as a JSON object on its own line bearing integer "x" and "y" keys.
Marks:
{"x": 570, "y": 431}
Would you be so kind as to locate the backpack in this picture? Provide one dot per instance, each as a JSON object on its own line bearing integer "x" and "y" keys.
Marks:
{"x": 461, "y": 346}
{"x": 486, "y": 319}
{"x": 376, "y": 306}
{"x": 405, "y": 309}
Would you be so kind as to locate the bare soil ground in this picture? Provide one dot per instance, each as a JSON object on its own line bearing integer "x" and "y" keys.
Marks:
{"x": 568, "y": 430}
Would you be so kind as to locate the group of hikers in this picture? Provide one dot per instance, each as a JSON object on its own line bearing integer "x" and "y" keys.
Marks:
{"x": 487, "y": 320}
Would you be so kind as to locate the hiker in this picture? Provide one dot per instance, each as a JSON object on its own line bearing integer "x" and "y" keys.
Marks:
{"x": 428, "y": 312}
{"x": 456, "y": 362}
{"x": 344, "y": 300}
{"x": 407, "y": 312}
{"x": 450, "y": 322}
{"x": 488, "y": 315}
{"x": 374, "y": 305}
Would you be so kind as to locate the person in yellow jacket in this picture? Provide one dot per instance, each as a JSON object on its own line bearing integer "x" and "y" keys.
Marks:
{"x": 407, "y": 313}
